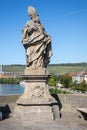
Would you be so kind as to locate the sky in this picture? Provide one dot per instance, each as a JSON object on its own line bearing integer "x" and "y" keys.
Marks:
{"x": 64, "y": 20}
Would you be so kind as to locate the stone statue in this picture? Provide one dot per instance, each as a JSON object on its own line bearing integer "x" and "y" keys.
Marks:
{"x": 36, "y": 99}
{"x": 36, "y": 42}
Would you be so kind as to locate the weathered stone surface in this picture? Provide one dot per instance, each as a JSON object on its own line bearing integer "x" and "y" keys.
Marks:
{"x": 36, "y": 42}
{"x": 36, "y": 103}
{"x": 38, "y": 71}
{"x": 34, "y": 113}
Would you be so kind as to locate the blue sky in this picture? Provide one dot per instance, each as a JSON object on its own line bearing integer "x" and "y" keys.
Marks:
{"x": 64, "y": 20}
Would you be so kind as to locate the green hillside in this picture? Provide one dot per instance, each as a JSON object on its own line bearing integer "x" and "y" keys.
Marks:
{"x": 13, "y": 68}
{"x": 53, "y": 68}
{"x": 65, "y": 69}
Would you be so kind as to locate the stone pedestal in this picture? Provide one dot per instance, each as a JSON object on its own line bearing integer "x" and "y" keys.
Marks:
{"x": 36, "y": 104}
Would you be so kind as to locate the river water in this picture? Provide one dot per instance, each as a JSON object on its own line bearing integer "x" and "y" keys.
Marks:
{"x": 6, "y": 89}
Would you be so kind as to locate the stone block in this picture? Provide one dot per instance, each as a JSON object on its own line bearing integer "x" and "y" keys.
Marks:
{"x": 29, "y": 71}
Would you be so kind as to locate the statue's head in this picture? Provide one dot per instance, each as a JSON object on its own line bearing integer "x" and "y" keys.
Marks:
{"x": 33, "y": 14}
{"x": 31, "y": 11}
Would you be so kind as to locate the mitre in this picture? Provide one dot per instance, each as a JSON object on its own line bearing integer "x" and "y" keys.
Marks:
{"x": 31, "y": 10}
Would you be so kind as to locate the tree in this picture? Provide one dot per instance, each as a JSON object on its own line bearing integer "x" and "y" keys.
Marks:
{"x": 52, "y": 81}
{"x": 65, "y": 80}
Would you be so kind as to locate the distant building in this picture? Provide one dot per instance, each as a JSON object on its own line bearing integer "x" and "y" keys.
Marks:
{"x": 0, "y": 68}
{"x": 79, "y": 77}
{"x": 59, "y": 85}
{"x": 2, "y": 75}
{"x": 85, "y": 77}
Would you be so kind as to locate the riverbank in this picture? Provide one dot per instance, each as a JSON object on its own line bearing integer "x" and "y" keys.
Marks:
{"x": 10, "y": 80}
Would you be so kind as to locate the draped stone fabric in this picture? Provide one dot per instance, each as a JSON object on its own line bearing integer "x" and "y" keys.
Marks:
{"x": 36, "y": 42}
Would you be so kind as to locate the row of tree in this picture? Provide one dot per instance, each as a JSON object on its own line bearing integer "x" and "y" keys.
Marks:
{"x": 70, "y": 64}
{"x": 66, "y": 81}
{"x": 62, "y": 64}
{"x": 10, "y": 80}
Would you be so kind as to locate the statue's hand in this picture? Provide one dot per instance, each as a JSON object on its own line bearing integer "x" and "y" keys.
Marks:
{"x": 35, "y": 28}
{"x": 25, "y": 41}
